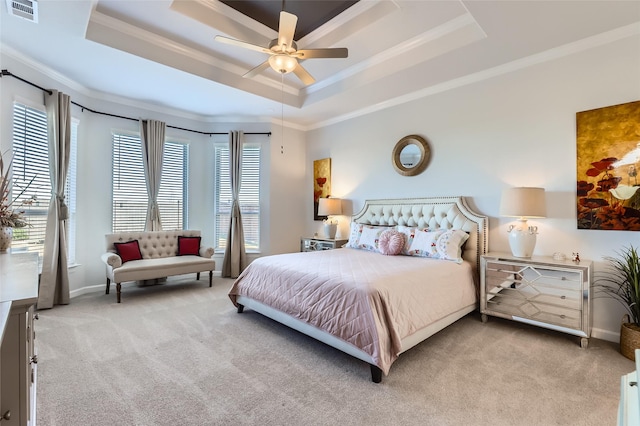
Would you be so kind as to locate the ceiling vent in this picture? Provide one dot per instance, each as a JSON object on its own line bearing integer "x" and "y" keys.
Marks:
{"x": 26, "y": 9}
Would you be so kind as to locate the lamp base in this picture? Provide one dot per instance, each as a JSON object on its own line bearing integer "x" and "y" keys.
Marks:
{"x": 330, "y": 230}
{"x": 522, "y": 239}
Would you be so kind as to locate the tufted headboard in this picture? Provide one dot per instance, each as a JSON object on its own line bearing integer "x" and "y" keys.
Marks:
{"x": 153, "y": 244}
{"x": 433, "y": 213}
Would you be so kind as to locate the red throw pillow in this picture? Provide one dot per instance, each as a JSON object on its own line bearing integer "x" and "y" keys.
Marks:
{"x": 128, "y": 251}
{"x": 188, "y": 246}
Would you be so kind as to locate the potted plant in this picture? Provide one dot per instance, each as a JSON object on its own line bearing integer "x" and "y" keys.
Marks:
{"x": 11, "y": 215}
{"x": 620, "y": 280}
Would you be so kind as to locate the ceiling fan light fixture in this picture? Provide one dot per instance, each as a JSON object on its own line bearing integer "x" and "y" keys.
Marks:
{"x": 282, "y": 63}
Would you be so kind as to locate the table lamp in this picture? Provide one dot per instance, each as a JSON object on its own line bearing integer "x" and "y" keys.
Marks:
{"x": 329, "y": 207}
{"x": 523, "y": 203}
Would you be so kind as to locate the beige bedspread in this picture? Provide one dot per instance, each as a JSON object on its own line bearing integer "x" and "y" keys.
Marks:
{"x": 367, "y": 299}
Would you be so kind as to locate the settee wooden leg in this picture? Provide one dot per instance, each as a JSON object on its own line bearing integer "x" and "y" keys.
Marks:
{"x": 108, "y": 285}
{"x": 198, "y": 276}
{"x": 210, "y": 278}
{"x": 240, "y": 308}
{"x": 118, "y": 288}
{"x": 376, "y": 374}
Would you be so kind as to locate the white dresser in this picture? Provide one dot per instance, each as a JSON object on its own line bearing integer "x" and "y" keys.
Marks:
{"x": 629, "y": 408}
{"x": 18, "y": 296}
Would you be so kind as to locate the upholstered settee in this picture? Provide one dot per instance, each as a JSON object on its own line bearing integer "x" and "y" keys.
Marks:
{"x": 135, "y": 256}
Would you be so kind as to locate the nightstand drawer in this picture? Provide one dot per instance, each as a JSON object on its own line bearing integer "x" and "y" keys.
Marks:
{"x": 537, "y": 307}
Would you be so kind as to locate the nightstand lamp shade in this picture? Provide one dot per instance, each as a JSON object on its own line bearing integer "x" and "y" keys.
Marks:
{"x": 523, "y": 203}
{"x": 330, "y": 207}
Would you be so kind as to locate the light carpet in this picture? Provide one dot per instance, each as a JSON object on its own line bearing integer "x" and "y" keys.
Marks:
{"x": 179, "y": 354}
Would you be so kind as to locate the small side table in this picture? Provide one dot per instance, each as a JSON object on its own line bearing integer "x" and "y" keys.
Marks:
{"x": 318, "y": 243}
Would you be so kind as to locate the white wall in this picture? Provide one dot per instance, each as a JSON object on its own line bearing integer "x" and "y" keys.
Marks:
{"x": 517, "y": 129}
{"x": 283, "y": 180}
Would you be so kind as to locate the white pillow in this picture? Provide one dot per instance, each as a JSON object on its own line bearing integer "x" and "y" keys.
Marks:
{"x": 365, "y": 237}
{"x": 424, "y": 243}
{"x": 409, "y": 233}
{"x": 449, "y": 245}
{"x": 369, "y": 237}
{"x": 354, "y": 235}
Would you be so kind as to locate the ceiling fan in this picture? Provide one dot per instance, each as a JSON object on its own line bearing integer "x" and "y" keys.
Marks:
{"x": 283, "y": 52}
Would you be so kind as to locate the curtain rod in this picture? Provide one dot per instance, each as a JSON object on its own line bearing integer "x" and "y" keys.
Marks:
{"x": 7, "y": 73}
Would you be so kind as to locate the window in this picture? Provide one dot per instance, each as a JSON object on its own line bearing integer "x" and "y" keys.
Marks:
{"x": 31, "y": 162}
{"x": 249, "y": 196}
{"x": 130, "y": 191}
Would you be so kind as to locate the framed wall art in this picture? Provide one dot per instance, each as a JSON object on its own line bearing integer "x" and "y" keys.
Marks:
{"x": 321, "y": 183}
{"x": 608, "y": 160}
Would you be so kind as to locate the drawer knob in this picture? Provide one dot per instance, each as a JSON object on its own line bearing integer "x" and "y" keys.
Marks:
{"x": 633, "y": 383}
{"x": 563, "y": 297}
{"x": 34, "y": 359}
{"x": 6, "y": 416}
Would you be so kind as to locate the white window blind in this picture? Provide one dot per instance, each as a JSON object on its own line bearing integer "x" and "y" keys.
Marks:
{"x": 130, "y": 191}
{"x": 31, "y": 162}
{"x": 70, "y": 193}
{"x": 249, "y": 196}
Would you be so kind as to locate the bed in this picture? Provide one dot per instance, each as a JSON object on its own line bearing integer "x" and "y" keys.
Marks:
{"x": 370, "y": 305}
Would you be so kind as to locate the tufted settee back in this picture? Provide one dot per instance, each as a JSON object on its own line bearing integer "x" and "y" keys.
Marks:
{"x": 153, "y": 244}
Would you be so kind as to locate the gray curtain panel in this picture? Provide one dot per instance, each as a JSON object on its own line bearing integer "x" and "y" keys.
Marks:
{"x": 152, "y": 137}
{"x": 54, "y": 281}
{"x": 235, "y": 257}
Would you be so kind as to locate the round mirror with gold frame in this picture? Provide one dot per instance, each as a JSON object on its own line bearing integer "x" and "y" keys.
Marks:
{"x": 411, "y": 155}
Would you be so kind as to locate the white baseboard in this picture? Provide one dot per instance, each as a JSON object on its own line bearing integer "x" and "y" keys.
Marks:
{"x": 610, "y": 336}
{"x": 101, "y": 287}
{"x": 87, "y": 289}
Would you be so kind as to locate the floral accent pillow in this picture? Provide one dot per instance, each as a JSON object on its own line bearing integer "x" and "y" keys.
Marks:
{"x": 449, "y": 245}
{"x": 409, "y": 233}
{"x": 369, "y": 237}
{"x": 354, "y": 235}
{"x": 424, "y": 243}
{"x": 391, "y": 242}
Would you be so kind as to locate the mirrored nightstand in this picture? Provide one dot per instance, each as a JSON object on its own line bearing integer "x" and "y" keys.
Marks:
{"x": 540, "y": 290}
{"x": 318, "y": 243}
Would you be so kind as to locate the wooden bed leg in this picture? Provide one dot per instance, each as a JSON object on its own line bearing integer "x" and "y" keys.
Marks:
{"x": 118, "y": 288}
{"x": 240, "y": 308}
{"x": 376, "y": 374}
{"x": 210, "y": 278}
{"x": 108, "y": 285}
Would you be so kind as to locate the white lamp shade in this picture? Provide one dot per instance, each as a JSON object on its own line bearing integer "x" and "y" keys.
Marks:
{"x": 329, "y": 206}
{"x": 523, "y": 202}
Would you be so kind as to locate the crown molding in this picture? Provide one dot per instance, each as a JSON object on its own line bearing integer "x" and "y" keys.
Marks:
{"x": 94, "y": 94}
{"x": 546, "y": 56}
{"x": 458, "y": 24}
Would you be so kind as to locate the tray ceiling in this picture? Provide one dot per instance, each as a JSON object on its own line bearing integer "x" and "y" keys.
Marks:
{"x": 162, "y": 52}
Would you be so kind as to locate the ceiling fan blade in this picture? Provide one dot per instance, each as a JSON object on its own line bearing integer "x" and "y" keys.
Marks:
{"x": 286, "y": 29}
{"x": 244, "y": 44}
{"x": 257, "y": 70}
{"x": 304, "y": 75}
{"x": 339, "y": 52}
